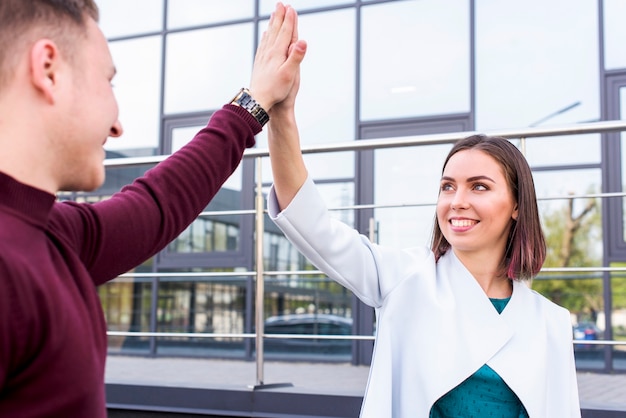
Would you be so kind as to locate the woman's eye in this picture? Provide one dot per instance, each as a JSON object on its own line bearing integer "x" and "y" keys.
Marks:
{"x": 445, "y": 187}
{"x": 480, "y": 187}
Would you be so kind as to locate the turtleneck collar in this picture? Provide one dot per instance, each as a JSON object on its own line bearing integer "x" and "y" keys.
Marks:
{"x": 27, "y": 202}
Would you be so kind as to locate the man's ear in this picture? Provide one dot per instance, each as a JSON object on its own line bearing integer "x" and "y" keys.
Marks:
{"x": 44, "y": 66}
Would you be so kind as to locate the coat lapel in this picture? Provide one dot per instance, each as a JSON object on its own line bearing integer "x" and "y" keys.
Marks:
{"x": 481, "y": 330}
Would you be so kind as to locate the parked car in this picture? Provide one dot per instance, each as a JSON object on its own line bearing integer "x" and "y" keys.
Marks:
{"x": 587, "y": 331}
{"x": 308, "y": 324}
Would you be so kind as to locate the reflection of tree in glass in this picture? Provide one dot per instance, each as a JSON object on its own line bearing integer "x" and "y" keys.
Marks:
{"x": 573, "y": 238}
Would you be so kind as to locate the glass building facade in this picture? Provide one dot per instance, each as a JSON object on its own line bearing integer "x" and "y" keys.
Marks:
{"x": 386, "y": 69}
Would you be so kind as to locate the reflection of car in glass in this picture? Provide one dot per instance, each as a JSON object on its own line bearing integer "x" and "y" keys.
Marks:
{"x": 308, "y": 324}
{"x": 587, "y": 331}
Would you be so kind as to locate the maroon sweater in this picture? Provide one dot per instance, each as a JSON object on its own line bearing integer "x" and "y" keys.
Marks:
{"x": 53, "y": 339}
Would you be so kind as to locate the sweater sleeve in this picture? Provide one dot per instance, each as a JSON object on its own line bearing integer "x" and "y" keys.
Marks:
{"x": 119, "y": 233}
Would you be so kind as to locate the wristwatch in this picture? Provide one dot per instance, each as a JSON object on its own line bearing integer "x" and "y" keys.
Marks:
{"x": 245, "y": 100}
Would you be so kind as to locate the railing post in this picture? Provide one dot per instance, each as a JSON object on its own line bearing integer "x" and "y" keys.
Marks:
{"x": 260, "y": 288}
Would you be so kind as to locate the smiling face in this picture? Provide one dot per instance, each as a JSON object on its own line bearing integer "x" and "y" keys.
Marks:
{"x": 475, "y": 205}
{"x": 91, "y": 112}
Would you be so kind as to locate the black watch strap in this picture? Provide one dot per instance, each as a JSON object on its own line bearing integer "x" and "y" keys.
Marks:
{"x": 245, "y": 100}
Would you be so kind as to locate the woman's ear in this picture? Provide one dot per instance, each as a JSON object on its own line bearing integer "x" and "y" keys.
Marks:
{"x": 44, "y": 65}
{"x": 515, "y": 213}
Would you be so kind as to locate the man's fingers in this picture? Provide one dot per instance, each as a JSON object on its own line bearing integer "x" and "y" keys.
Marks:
{"x": 294, "y": 36}
{"x": 285, "y": 34}
{"x": 275, "y": 24}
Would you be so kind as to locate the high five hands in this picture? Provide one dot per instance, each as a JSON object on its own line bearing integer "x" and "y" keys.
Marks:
{"x": 276, "y": 72}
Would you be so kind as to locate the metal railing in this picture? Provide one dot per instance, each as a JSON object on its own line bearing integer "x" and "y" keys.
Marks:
{"x": 366, "y": 144}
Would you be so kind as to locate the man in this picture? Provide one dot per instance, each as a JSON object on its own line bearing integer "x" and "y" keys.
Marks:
{"x": 57, "y": 109}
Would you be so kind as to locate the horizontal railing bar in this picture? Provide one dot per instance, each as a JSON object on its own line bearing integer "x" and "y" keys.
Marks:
{"x": 228, "y": 212}
{"x": 236, "y": 335}
{"x": 581, "y": 269}
{"x": 294, "y": 336}
{"x": 599, "y": 342}
{"x": 179, "y": 334}
{"x": 189, "y": 274}
{"x": 379, "y": 143}
{"x": 318, "y": 337}
{"x": 318, "y": 272}
{"x": 583, "y": 196}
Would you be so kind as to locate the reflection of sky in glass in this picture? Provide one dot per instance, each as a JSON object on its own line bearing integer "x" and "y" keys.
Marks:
{"x": 123, "y": 17}
{"x": 268, "y": 6}
{"x": 407, "y": 176}
{"x": 561, "y": 150}
{"x": 320, "y": 166}
{"x": 415, "y": 59}
{"x": 531, "y": 64}
{"x": 202, "y": 71}
{"x": 137, "y": 89}
{"x": 325, "y": 106}
{"x": 615, "y": 34}
{"x": 181, "y": 13}
{"x": 554, "y": 183}
{"x": 577, "y": 182}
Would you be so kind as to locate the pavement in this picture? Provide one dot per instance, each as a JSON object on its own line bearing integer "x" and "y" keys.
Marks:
{"x": 597, "y": 390}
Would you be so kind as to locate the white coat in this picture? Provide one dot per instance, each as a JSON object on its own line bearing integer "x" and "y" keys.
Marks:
{"x": 435, "y": 325}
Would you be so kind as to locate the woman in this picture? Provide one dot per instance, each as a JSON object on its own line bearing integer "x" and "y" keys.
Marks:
{"x": 459, "y": 331}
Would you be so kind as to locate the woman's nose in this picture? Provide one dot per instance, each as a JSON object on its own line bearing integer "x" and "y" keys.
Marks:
{"x": 459, "y": 200}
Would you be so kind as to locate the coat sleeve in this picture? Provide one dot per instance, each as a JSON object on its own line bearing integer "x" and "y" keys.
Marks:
{"x": 346, "y": 256}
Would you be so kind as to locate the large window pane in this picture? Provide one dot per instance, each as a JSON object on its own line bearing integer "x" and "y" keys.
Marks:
{"x": 123, "y": 17}
{"x": 206, "y": 68}
{"x": 562, "y": 150}
{"x": 415, "y": 59}
{"x": 573, "y": 231}
{"x": 407, "y": 176}
{"x": 614, "y": 34}
{"x": 533, "y": 59}
{"x": 211, "y": 233}
{"x": 212, "y": 304}
{"x": 572, "y": 226}
{"x": 138, "y": 91}
{"x": 325, "y": 107}
{"x": 181, "y": 13}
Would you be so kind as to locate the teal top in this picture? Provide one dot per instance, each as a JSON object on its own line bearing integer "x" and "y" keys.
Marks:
{"x": 482, "y": 395}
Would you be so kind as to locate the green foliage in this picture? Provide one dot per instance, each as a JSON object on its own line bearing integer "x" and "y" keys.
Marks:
{"x": 578, "y": 293}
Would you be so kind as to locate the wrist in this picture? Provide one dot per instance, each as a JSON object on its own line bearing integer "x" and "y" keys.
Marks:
{"x": 245, "y": 100}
